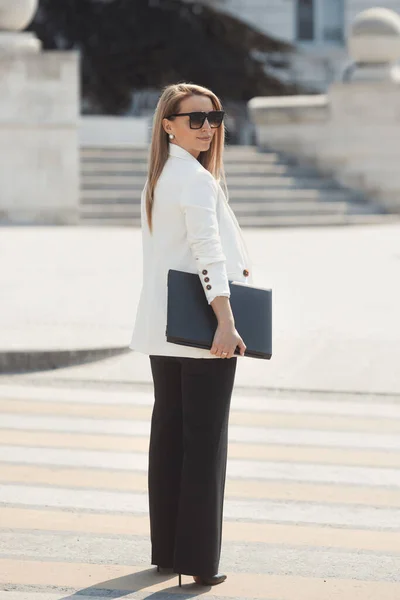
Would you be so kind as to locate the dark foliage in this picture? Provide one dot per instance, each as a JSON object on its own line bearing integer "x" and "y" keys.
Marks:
{"x": 130, "y": 45}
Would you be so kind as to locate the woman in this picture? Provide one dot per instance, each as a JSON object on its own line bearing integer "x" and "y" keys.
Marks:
{"x": 188, "y": 225}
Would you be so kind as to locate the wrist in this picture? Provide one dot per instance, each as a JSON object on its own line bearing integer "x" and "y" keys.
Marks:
{"x": 227, "y": 321}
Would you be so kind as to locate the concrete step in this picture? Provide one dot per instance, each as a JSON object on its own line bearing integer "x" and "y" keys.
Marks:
{"x": 265, "y": 169}
{"x": 317, "y": 220}
{"x": 129, "y": 153}
{"x": 354, "y": 204}
{"x": 135, "y": 168}
{"x": 117, "y": 181}
{"x": 243, "y": 195}
{"x": 109, "y": 221}
{"x": 109, "y": 169}
{"x": 228, "y": 160}
{"x": 114, "y": 153}
{"x": 234, "y": 204}
{"x": 125, "y": 149}
{"x": 229, "y": 148}
{"x": 261, "y": 222}
{"x": 295, "y": 208}
{"x": 250, "y": 209}
{"x": 258, "y": 207}
{"x": 231, "y": 162}
{"x": 129, "y": 181}
{"x": 325, "y": 195}
{"x": 265, "y": 189}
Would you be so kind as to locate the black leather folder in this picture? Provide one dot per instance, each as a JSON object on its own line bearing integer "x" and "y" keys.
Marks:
{"x": 191, "y": 321}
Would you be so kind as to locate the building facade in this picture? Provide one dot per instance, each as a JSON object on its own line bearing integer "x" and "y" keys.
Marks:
{"x": 318, "y": 28}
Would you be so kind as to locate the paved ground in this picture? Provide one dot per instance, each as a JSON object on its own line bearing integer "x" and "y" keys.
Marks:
{"x": 312, "y": 508}
{"x": 336, "y": 295}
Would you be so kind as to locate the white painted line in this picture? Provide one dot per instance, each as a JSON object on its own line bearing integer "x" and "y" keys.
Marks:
{"x": 75, "y": 395}
{"x": 263, "y": 435}
{"x": 248, "y": 510}
{"x": 71, "y": 424}
{"x": 239, "y": 402}
{"x": 336, "y": 474}
{"x": 131, "y": 461}
{"x": 315, "y": 407}
{"x": 247, "y": 469}
{"x": 312, "y": 437}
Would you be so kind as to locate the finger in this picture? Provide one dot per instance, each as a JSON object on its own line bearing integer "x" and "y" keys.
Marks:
{"x": 215, "y": 347}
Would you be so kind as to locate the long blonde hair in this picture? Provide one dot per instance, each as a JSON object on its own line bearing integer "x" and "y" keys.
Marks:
{"x": 212, "y": 159}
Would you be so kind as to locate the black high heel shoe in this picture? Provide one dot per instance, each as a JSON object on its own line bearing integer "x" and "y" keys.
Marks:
{"x": 206, "y": 579}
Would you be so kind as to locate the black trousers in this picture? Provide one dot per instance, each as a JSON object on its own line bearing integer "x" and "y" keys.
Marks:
{"x": 187, "y": 461}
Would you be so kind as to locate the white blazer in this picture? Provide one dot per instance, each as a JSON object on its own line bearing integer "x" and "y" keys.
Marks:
{"x": 194, "y": 230}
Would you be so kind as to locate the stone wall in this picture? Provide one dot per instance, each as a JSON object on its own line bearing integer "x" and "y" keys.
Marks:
{"x": 353, "y": 134}
{"x": 39, "y": 108}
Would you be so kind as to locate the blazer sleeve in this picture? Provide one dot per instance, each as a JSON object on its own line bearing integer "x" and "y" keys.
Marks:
{"x": 198, "y": 202}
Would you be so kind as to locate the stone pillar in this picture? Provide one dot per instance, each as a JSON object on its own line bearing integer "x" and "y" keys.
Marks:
{"x": 365, "y": 124}
{"x": 374, "y": 47}
{"x": 352, "y": 132}
{"x": 14, "y": 16}
{"x": 39, "y": 112}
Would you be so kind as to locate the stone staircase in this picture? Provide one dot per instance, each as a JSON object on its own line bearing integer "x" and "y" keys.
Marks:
{"x": 265, "y": 190}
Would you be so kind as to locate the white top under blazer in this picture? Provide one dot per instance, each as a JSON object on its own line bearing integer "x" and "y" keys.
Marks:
{"x": 194, "y": 230}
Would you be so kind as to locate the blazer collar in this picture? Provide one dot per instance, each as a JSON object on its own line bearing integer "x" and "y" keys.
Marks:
{"x": 179, "y": 152}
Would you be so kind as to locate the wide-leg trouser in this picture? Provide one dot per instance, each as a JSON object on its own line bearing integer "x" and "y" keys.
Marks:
{"x": 187, "y": 461}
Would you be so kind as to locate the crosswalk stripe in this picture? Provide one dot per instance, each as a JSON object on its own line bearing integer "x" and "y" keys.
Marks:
{"x": 246, "y": 585}
{"x": 236, "y": 488}
{"x": 234, "y": 531}
{"x": 106, "y": 479}
{"x": 268, "y": 401}
{"x": 248, "y": 419}
{"x": 248, "y": 469}
{"x": 244, "y": 509}
{"x": 82, "y": 441}
{"x": 302, "y": 437}
{"x": 316, "y": 479}
{"x": 56, "y": 394}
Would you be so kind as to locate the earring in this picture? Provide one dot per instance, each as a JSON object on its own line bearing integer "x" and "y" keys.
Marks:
{"x": 171, "y": 136}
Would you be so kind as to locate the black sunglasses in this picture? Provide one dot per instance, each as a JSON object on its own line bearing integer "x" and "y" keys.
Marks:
{"x": 196, "y": 121}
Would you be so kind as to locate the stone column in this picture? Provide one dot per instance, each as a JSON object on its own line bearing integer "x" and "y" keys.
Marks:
{"x": 365, "y": 123}
{"x": 39, "y": 111}
{"x": 14, "y": 16}
{"x": 374, "y": 47}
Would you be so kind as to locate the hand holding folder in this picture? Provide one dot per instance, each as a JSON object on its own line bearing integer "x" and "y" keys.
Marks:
{"x": 191, "y": 321}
